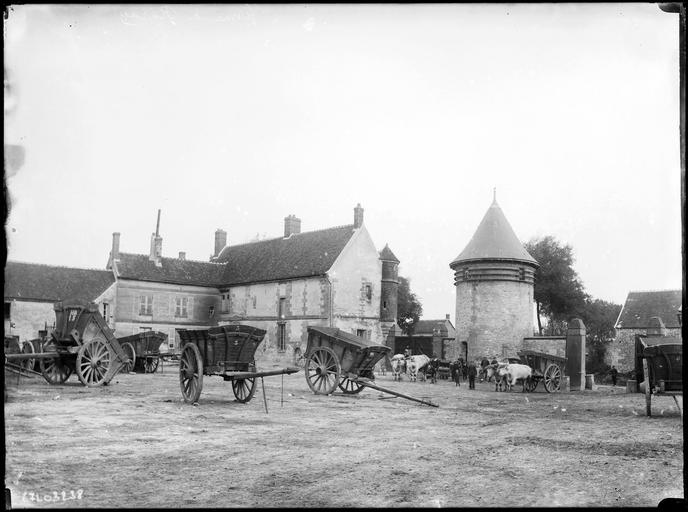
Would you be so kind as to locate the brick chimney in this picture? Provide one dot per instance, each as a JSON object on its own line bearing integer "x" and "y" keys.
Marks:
{"x": 220, "y": 242}
{"x": 156, "y": 245}
{"x": 114, "y": 253}
{"x": 358, "y": 216}
{"x": 292, "y": 225}
{"x": 182, "y": 255}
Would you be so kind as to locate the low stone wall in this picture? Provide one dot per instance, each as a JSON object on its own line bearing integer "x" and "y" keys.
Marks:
{"x": 553, "y": 345}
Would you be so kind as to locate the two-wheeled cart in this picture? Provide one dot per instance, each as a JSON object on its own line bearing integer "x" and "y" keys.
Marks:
{"x": 227, "y": 351}
{"x": 546, "y": 367}
{"x": 663, "y": 372}
{"x": 143, "y": 350}
{"x": 80, "y": 343}
{"x": 337, "y": 359}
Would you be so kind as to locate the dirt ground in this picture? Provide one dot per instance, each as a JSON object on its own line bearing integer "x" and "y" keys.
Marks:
{"x": 135, "y": 443}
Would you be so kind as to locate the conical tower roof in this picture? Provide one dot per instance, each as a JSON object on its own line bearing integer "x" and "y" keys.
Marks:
{"x": 387, "y": 254}
{"x": 494, "y": 240}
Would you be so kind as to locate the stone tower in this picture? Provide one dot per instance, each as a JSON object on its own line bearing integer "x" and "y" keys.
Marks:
{"x": 494, "y": 277}
{"x": 388, "y": 295}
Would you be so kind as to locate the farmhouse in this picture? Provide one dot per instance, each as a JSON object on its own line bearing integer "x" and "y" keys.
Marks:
{"x": 635, "y": 319}
{"x": 330, "y": 277}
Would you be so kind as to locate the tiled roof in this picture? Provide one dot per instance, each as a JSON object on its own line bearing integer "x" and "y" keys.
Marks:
{"x": 387, "y": 254}
{"x": 641, "y": 306}
{"x": 300, "y": 255}
{"x": 32, "y": 281}
{"x": 428, "y": 327}
{"x": 494, "y": 239}
{"x": 171, "y": 270}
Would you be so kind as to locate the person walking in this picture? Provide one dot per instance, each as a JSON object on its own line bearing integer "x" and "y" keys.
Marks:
{"x": 614, "y": 372}
{"x": 472, "y": 371}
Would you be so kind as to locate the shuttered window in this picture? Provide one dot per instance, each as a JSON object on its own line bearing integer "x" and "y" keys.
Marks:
{"x": 146, "y": 305}
{"x": 181, "y": 307}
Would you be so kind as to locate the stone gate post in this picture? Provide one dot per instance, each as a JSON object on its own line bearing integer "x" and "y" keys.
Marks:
{"x": 575, "y": 354}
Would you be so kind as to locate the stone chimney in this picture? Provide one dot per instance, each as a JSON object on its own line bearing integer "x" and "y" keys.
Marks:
{"x": 656, "y": 327}
{"x": 292, "y": 226}
{"x": 114, "y": 253}
{"x": 220, "y": 242}
{"x": 182, "y": 255}
{"x": 447, "y": 317}
{"x": 156, "y": 245}
{"x": 358, "y": 216}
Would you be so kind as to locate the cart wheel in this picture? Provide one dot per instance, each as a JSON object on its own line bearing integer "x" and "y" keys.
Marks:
{"x": 552, "y": 378}
{"x": 150, "y": 364}
{"x": 54, "y": 371}
{"x": 323, "y": 371}
{"x": 530, "y": 384}
{"x": 244, "y": 389}
{"x": 28, "y": 364}
{"x": 93, "y": 362}
{"x": 191, "y": 373}
{"x": 131, "y": 354}
{"x": 350, "y": 387}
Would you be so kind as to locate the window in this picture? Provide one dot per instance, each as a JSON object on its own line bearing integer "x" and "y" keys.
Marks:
{"x": 522, "y": 274}
{"x": 384, "y": 304}
{"x": 180, "y": 307}
{"x": 368, "y": 292}
{"x": 466, "y": 274}
{"x": 145, "y": 329}
{"x": 254, "y": 302}
{"x": 146, "y": 305}
{"x": 281, "y": 336}
{"x": 282, "y": 308}
{"x": 7, "y": 310}
{"x": 211, "y": 311}
{"x": 225, "y": 302}
{"x": 362, "y": 333}
{"x": 105, "y": 311}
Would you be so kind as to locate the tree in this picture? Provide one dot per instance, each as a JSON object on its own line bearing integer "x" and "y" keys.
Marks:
{"x": 559, "y": 293}
{"x": 599, "y": 317}
{"x": 409, "y": 308}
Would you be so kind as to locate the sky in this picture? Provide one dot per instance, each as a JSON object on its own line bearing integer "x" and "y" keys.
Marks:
{"x": 235, "y": 116}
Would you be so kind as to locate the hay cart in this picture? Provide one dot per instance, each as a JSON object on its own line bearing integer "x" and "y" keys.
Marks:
{"x": 81, "y": 343}
{"x": 546, "y": 367}
{"x": 337, "y": 359}
{"x": 662, "y": 370}
{"x": 143, "y": 350}
{"x": 227, "y": 351}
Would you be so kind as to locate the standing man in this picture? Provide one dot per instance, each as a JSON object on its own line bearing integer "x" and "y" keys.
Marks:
{"x": 614, "y": 372}
{"x": 472, "y": 371}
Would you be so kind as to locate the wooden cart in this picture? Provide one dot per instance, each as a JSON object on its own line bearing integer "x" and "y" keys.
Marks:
{"x": 143, "y": 350}
{"x": 546, "y": 367}
{"x": 663, "y": 372}
{"x": 227, "y": 351}
{"x": 337, "y": 359}
{"x": 13, "y": 347}
{"x": 81, "y": 343}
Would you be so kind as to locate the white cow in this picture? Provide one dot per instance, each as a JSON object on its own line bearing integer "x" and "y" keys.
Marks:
{"x": 414, "y": 364}
{"x": 516, "y": 372}
{"x": 398, "y": 366}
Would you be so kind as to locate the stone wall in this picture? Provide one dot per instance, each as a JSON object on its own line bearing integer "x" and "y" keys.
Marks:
{"x": 493, "y": 317}
{"x": 621, "y": 351}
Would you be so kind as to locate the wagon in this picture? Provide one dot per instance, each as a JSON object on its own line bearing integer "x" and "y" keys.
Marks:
{"x": 81, "y": 343}
{"x": 14, "y": 346}
{"x": 143, "y": 350}
{"x": 337, "y": 359}
{"x": 662, "y": 370}
{"x": 546, "y": 367}
{"x": 227, "y": 351}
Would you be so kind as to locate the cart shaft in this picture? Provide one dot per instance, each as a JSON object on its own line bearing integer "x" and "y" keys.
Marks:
{"x": 369, "y": 384}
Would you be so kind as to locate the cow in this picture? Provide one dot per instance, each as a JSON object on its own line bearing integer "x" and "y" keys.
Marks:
{"x": 415, "y": 365}
{"x": 502, "y": 378}
{"x": 516, "y": 372}
{"x": 398, "y": 366}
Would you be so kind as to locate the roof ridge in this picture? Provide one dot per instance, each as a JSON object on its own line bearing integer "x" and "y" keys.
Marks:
{"x": 172, "y": 258}
{"x": 292, "y": 235}
{"x": 656, "y": 291}
{"x": 57, "y": 266}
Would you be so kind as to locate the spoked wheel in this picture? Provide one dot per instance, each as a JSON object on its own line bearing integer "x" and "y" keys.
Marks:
{"x": 191, "y": 373}
{"x": 54, "y": 371}
{"x": 530, "y": 384}
{"x": 131, "y": 354}
{"x": 150, "y": 364}
{"x": 244, "y": 389}
{"x": 93, "y": 362}
{"x": 552, "y": 378}
{"x": 28, "y": 364}
{"x": 323, "y": 371}
{"x": 350, "y": 387}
